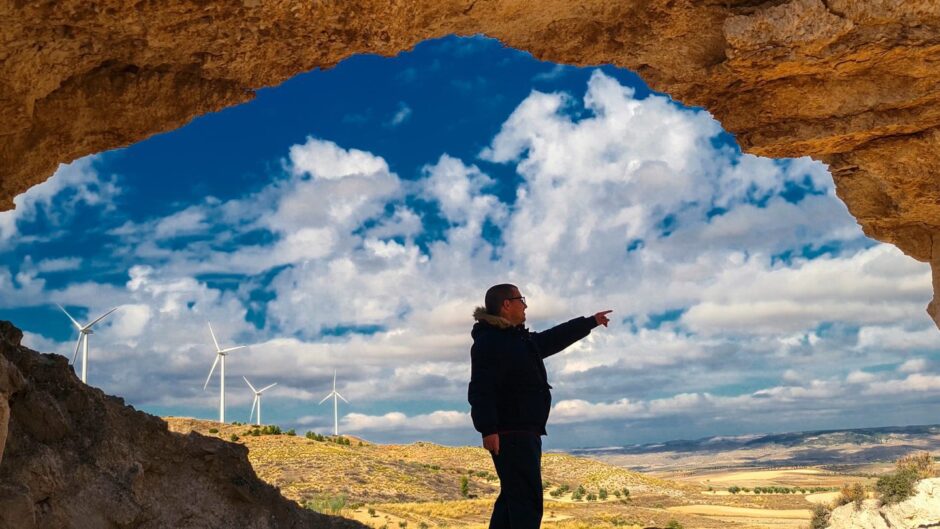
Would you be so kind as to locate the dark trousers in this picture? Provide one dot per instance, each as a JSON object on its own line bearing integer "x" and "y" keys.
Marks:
{"x": 519, "y": 467}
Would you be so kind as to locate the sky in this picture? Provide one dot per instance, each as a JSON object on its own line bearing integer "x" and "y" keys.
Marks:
{"x": 351, "y": 219}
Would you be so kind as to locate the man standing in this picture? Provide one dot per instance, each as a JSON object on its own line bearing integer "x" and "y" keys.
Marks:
{"x": 510, "y": 398}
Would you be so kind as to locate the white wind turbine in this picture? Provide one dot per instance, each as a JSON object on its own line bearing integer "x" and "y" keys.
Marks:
{"x": 257, "y": 402}
{"x": 83, "y": 333}
{"x": 220, "y": 353}
{"x": 335, "y": 394}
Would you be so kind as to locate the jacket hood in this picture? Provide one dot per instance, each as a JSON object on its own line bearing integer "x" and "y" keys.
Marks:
{"x": 482, "y": 316}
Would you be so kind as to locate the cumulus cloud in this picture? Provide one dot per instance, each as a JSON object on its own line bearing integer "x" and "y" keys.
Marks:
{"x": 720, "y": 277}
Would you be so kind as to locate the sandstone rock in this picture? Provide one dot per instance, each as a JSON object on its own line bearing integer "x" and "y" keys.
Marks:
{"x": 75, "y": 457}
{"x": 854, "y": 84}
{"x": 919, "y": 511}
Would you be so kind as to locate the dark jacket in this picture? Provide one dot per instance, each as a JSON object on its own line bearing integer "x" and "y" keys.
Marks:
{"x": 509, "y": 389}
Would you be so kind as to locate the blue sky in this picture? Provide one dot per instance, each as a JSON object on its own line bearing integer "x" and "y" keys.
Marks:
{"x": 351, "y": 219}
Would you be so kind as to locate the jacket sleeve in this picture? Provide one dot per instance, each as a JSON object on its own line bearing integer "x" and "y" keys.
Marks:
{"x": 557, "y": 338}
{"x": 487, "y": 370}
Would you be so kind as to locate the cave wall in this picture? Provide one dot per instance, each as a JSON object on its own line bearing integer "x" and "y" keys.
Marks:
{"x": 853, "y": 84}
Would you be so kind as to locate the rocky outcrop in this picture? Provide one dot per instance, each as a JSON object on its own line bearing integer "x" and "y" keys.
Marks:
{"x": 77, "y": 458}
{"x": 917, "y": 512}
{"x": 854, "y": 84}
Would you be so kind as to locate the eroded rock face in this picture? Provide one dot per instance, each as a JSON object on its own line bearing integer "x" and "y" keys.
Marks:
{"x": 854, "y": 84}
{"x": 919, "y": 511}
{"x": 75, "y": 457}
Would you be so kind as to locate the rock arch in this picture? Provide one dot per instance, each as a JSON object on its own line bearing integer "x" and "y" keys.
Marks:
{"x": 854, "y": 84}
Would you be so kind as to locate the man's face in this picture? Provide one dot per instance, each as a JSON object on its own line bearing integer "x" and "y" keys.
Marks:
{"x": 514, "y": 309}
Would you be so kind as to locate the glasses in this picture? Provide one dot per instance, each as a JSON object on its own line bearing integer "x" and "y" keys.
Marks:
{"x": 520, "y": 298}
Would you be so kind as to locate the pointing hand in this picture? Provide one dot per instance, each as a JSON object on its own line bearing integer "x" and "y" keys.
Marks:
{"x": 601, "y": 317}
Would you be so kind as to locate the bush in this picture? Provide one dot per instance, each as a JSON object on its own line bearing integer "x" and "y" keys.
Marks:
{"x": 591, "y": 497}
{"x": 854, "y": 493}
{"x": 602, "y": 494}
{"x": 897, "y": 486}
{"x": 213, "y": 430}
{"x": 673, "y": 524}
{"x": 626, "y": 493}
{"x": 578, "y": 494}
{"x": 402, "y": 524}
{"x": 919, "y": 463}
{"x": 291, "y": 432}
{"x": 233, "y": 438}
{"x": 314, "y": 436}
{"x": 327, "y": 504}
{"x": 464, "y": 486}
{"x": 371, "y": 512}
{"x": 562, "y": 489}
{"x": 820, "y": 518}
{"x": 734, "y": 489}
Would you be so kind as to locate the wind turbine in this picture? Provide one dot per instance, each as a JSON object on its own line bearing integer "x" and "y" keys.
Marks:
{"x": 220, "y": 353}
{"x": 257, "y": 402}
{"x": 335, "y": 394}
{"x": 83, "y": 333}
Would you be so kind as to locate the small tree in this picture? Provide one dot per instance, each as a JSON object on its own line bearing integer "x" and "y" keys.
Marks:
{"x": 854, "y": 493}
{"x": 371, "y": 512}
{"x": 602, "y": 494}
{"x": 464, "y": 486}
{"x": 291, "y": 432}
{"x": 233, "y": 438}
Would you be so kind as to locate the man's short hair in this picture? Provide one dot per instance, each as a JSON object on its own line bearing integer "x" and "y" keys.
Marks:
{"x": 496, "y": 295}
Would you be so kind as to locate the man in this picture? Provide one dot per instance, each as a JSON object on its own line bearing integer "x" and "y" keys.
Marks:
{"x": 510, "y": 398}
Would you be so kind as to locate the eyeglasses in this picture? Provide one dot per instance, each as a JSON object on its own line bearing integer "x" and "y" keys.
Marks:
{"x": 520, "y": 298}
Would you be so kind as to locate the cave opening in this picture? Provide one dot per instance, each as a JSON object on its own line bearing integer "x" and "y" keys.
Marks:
{"x": 351, "y": 218}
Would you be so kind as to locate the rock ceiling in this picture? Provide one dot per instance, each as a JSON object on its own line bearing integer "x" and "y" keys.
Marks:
{"x": 853, "y": 84}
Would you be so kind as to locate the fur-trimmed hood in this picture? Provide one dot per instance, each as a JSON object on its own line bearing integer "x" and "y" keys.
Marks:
{"x": 482, "y": 316}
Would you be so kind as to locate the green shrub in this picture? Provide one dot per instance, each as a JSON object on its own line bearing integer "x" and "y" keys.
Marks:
{"x": 734, "y": 489}
{"x": 897, "y": 486}
{"x": 314, "y": 436}
{"x": 464, "y": 486}
{"x": 602, "y": 494}
{"x": 327, "y": 504}
{"x": 591, "y": 496}
{"x": 402, "y": 524}
{"x": 213, "y": 430}
{"x": 291, "y": 432}
{"x": 674, "y": 524}
{"x": 371, "y": 512}
{"x": 820, "y": 518}
{"x": 233, "y": 438}
{"x": 626, "y": 493}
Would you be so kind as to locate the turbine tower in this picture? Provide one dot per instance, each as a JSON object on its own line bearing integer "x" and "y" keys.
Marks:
{"x": 220, "y": 353}
{"x": 257, "y": 402}
{"x": 83, "y": 333}
{"x": 335, "y": 394}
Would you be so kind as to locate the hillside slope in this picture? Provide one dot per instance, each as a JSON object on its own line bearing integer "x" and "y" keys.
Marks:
{"x": 373, "y": 473}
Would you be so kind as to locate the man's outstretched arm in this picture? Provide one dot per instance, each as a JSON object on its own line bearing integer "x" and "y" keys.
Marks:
{"x": 557, "y": 338}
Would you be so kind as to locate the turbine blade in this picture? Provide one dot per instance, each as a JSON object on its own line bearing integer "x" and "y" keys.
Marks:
{"x": 340, "y": 396}
{"x": 253, "y": 404}
{"x": 267, "y": 388}
{"x": 326, "y": 397}
{"x": 217, "y": 356}
{"x": 250, "y": 386}
{"x": 78, "y": 345}
{"x": 101, "y": 317}
{"x": 216, "y": 342}
{"x": 77, "y": 325}
{"x": 233, "y": 349}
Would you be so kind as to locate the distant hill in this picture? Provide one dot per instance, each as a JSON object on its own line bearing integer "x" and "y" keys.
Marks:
{"x": 373, "y": 473}
{"x": 820, "y": 447}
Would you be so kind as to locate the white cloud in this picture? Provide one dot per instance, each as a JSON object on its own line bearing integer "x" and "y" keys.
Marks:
{"x": 72, "y": 184}
{"x": 401, "y": 115}
{"x": 438, "y": 420}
